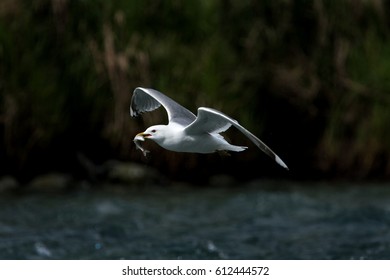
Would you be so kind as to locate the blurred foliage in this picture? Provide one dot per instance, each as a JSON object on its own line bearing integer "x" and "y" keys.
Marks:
{"x": 309, "y": 77}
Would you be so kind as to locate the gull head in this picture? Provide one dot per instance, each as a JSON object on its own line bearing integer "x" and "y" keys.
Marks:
{"x": 155, "y": 133}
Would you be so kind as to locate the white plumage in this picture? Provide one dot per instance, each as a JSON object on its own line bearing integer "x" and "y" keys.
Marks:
{"x": 186, "y": 132}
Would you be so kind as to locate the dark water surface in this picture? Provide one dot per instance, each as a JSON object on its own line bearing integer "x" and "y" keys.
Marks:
{"x": 258, "y": 220}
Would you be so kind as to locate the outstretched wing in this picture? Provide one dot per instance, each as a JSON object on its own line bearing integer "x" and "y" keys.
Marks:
{"x": 212, "y": 121}
{"x": 147, "y": 99}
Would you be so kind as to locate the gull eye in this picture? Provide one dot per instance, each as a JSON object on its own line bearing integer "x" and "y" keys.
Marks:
{"x": 153, "y": 131}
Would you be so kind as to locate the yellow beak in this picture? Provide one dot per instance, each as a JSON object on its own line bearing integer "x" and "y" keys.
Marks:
{"x": 143, "y": 134}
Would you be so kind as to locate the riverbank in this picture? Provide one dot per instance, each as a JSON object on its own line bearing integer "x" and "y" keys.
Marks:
{"x": 309, "y": 78}
{"x": 113, "y": 172}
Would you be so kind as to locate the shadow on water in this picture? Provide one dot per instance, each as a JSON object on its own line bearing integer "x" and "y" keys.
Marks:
{"x": 258, "y": 220}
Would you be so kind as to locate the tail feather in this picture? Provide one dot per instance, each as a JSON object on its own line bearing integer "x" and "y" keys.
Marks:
{"x": 234, "y": 148}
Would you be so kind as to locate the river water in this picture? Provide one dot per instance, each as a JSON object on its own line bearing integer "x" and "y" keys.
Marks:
{"x": 257, "y": 220}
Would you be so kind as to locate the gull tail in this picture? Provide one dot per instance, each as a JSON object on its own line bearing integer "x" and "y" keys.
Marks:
{"x": 234, "y": 148}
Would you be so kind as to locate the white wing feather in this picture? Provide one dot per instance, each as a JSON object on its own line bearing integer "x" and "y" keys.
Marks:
{"x": 213, "y": 121}
{"x": 146, "y": 100}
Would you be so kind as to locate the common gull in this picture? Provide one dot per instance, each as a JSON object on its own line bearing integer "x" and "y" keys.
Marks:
{"x": 186, "y": 132}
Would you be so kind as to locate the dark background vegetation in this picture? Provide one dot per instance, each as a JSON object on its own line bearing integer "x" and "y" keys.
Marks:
{"x": 310, "y": 78}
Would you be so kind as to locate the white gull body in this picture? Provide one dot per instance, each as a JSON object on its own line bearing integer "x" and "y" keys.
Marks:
{"x": 186, "y": 132}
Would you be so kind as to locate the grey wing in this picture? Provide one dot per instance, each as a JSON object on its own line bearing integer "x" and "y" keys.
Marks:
{"x": 147, "y": 99}
{"x": 212, "y": 121}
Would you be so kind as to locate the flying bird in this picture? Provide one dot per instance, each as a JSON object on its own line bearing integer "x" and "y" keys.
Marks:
{"x": 186, "y": 132}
